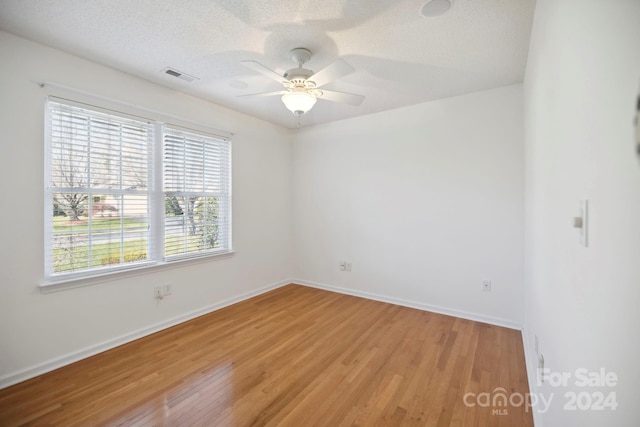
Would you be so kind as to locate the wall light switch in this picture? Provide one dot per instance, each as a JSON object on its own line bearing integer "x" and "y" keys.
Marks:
{"x": 584, "y": 229}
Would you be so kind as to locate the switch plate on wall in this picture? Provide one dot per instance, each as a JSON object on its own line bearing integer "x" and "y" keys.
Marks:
{"x": 584, "y": 230}
{"x": 346, "y": 265}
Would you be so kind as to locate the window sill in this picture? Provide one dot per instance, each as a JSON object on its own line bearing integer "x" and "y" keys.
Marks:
{"x": 78, "y": 282}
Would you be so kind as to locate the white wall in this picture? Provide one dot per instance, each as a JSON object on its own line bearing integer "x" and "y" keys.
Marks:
{"x": 425, "y": 201}
{"x": 36, "y": 328}
{"x": 582, "y": 80}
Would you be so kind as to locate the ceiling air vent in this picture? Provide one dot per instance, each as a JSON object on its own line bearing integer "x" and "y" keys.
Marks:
{"x": 179, "y": 74}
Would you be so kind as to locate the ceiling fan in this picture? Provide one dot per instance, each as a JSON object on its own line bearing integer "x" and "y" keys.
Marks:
{"x": 302, "y": 87}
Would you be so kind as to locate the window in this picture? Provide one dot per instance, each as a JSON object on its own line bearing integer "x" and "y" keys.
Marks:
{"x": 110, "y": 206}
{"x": 196, "y": 192}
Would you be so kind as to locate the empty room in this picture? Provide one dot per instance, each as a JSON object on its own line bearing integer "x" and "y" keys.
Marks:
{"x": 337, "y": 213}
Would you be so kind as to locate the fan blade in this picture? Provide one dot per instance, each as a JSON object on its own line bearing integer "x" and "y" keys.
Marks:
{"x": 343, "y": 97}
{"x": 280, "y": 92}
{"x": 258, "y": 67}
{"x": 331, "y": 72}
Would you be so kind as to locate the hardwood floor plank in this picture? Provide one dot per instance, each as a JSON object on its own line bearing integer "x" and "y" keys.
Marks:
{"x": 295, "y": 356}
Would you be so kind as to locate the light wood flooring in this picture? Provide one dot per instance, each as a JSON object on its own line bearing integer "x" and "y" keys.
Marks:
{"x": 295, "y": 356}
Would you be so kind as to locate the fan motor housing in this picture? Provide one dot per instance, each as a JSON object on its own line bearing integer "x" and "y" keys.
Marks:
{"x": 298, "y": 73}
{"x": 298, "y": 76}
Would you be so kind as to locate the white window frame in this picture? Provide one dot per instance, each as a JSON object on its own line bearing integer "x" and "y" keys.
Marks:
{"x": 157, "y": 259}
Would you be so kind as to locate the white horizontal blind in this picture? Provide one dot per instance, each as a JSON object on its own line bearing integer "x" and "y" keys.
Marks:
{"x": 197, "y": 191}
{"x": 97, "y": 190}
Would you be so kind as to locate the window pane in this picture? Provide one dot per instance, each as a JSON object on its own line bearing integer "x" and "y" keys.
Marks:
{"x": 197, "y": 193}
{"x": 70, "y": 252}
{"x": 99, "y": 189}
{"x": 192, "y": 224}
{"x": 70, "y": 205}
{"x": 69, "y": 164}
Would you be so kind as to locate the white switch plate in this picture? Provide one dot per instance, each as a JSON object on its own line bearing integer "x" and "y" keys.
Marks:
{"x": 486, "y": 285}
{"x": 584, "y": 230}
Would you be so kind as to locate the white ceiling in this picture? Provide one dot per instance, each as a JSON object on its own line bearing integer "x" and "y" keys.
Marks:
{"x": 400, "y": 57}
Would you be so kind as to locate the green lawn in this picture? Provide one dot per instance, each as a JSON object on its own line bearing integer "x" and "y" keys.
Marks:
{"x": 79, "y": 257}
{"x": 62, "y": 223}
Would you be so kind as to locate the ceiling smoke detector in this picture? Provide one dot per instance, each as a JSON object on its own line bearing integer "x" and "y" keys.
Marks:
{"x": 433, "y": 8}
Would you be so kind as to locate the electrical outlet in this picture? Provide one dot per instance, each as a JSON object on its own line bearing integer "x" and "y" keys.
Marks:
{"x": 486, "y": 285}
{"x": 348, "y": 265}
{"x": 541, "y": 371}
{"x": 157, "y": 292}
{"x": 167, "y": 289}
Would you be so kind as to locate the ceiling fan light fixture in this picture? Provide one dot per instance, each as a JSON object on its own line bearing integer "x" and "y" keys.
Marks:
{"x": 302, "y": 87}
{"x": 298, "y": 101}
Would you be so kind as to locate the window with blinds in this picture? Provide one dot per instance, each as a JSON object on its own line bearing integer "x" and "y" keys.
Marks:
{"x": 98, "y": 190}
{"x": 196, "y": 193}
{"x": 106, "y": 207}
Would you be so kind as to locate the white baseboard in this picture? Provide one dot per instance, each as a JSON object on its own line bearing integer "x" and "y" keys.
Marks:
{"x": 412, "y": 304}
{"x": 42, "y": 368}
{"x": 532, "y": 377}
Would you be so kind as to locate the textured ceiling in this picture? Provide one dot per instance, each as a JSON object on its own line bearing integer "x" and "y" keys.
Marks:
{"x": 400, "y": 57}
